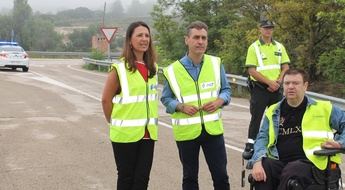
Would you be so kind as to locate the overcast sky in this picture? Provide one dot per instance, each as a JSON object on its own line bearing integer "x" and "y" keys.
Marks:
{"x": 53, "y": 6}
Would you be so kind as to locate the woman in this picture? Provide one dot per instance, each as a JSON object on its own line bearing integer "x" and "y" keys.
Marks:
{"x": 130, "y": 105}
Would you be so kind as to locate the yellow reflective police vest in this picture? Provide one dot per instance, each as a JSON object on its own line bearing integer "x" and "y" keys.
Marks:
{"x": 135, "y": 107}
{"x": 196, "y": 93}
{"x": 270, "y": 70}
{"x": 315, "y": 130}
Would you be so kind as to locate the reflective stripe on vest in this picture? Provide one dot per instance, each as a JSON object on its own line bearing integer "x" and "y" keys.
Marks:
{"x": 268, "y": 67}
{"x": 216, "y": 69}
{"x": 263, "y": 67}
{"x": 196, "y": 120}
{"x": 123, "y": 80}
{"x": 204, "y": 95}
{"x": 173, "y": 83}
{"x": 134, "y": 99}
{"x": 134, "y": 122}
{"x": 318, "y": 134}
{"x": 315, "y": 130}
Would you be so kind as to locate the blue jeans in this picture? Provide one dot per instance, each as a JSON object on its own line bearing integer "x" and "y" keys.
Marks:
{"x": 215, "y": 155}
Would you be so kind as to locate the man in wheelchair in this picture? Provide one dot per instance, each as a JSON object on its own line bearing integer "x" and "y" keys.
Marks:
{"x": 291, "y": 131}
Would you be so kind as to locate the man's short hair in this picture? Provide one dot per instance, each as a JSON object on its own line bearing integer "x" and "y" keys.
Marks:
{"x": 296, "y": 72}
{"x": 197, "y": 25}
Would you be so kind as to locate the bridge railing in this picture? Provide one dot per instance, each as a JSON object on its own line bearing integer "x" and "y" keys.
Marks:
{"x": 241, "y": 81}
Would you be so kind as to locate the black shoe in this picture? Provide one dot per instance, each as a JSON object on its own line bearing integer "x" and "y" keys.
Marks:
{"x": 248, "y": 151}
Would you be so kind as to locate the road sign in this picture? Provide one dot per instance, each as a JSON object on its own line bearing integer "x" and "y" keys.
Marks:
{"x": 109, "y": 33}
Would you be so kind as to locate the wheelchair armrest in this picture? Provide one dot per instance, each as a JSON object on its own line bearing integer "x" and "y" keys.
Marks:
{"x": 329, "y": 152}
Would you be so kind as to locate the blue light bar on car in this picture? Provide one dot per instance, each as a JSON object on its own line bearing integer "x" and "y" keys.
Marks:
{"x": 8, "y": 43}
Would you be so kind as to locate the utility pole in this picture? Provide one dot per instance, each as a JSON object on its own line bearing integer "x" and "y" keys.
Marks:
{"x": 103, "y": 25}
{"x": 105, "y": 5}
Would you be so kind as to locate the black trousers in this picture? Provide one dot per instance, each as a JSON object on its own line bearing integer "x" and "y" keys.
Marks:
{"x": 215, "y": 155}
{"x": 278, "y": 174}
{"x": 133, "y": 162}
{"x": 260, "y": 99}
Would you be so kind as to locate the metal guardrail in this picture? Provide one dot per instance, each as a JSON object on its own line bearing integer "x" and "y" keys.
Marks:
{"x": 48, "y": 53}
{"x": 242, "y": 82}
{"x": 66, "y": 54}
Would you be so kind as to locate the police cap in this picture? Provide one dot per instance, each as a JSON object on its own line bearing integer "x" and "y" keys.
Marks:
{"x": 266, "y": 24}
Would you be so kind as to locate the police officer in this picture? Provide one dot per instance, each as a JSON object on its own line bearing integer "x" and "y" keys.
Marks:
{"x": 266, "y": 63}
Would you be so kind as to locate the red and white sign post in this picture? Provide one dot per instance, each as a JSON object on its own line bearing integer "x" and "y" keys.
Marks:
{"x": 109, "y": 33}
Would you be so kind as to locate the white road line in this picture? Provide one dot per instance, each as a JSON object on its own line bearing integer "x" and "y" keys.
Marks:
{"x": 62, "y": 85}
{"x": 239, "y": 105}
{"x": 84, "y": 71}
{"x": 165, "y": 125}
{"x": 234, "y": 148}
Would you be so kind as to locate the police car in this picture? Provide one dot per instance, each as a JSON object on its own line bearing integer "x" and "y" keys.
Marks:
{"x": 13, "y": 56}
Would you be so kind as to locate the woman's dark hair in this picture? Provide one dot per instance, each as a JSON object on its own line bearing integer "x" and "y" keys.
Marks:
{"x": 129, "y": 56}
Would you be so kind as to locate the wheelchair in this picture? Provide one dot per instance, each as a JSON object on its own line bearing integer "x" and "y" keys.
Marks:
{"x": 330, "y": 178}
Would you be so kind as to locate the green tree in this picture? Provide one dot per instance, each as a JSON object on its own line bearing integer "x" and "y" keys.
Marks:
{"x": 22, "y": 13}
{"x": 308, "y": 30}
{"x": 216, "y": 14}
{"x": 171, "y": 18}
{"x": 6, "y": 27}
{"x": 332, "y": 64}
{"x": 170, "y": 33}
{"x": 80, "y": 40}
{"x": 40, "y": 35}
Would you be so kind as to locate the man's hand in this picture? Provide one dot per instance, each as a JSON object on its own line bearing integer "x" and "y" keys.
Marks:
{"x": 211, "y": 107}
{"x": 258, "y": 171}
{"x": 187, "y": 109}
{"x": 331, "y": 144}
{"x": 273, "y": 86}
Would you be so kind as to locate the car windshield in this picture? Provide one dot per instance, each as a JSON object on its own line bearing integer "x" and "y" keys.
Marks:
{"x": 11, "y": 48}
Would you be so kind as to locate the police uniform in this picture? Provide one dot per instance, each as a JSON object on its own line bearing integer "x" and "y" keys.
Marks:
{"x": 267, "y": 58}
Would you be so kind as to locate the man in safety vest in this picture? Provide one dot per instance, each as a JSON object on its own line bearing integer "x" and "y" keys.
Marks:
{"x": 266, "y": 63}
{"x": 195, "y": 90}
{"x": 291, "y": 130}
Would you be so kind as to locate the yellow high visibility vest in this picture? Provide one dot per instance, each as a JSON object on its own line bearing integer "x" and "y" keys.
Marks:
{"x": 135, "y": 107}
{"x": 196, "y": 93}
{"x": 267, "y": 58}
{"x": 315, "y": 130}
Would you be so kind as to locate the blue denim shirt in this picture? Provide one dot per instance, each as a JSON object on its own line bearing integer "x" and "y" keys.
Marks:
{"x": 337, "y": 122}
{"x": 168, "y": 98}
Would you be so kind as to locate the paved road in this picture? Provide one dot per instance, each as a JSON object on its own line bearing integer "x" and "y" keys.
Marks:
{"x": 53, "y": 134}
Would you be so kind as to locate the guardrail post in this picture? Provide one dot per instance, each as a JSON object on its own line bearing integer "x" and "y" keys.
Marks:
{"x": 239, "y": 89}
